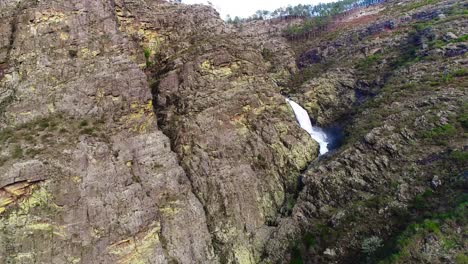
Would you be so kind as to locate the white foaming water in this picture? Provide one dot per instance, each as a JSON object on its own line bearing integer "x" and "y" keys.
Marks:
{"x": 316, "y": 133}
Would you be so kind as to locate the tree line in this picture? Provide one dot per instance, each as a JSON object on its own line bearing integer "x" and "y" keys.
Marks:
{"x": 316, "y": 17}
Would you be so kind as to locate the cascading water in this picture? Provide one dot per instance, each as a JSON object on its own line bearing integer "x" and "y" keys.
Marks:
{"x": 316, "y": 133}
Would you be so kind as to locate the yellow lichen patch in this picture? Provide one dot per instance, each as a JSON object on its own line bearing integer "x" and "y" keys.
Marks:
{"x": 39, "y": 197}
{"x": 99, "y": 95}
{"x": 45, "y": 19}
{"x": 25, "y": 220}
{"x": 137, "y": 249}
{"x": 218, "y": 72}
{"x": 76, "y": 179}
{"x": 281, "y": 128}
{"x": 50, "y": 16}
{"x": 171, "y": 208}
{"x": 239, "y": 122}
{"x": 64, "y": 36}
{"x": 141, "y": 118}
{"x": 186, "y": 149}
{"x": 51, "y": 108}
{"x": 243, "y": 256}
{"x": 149, "y": 39}
{"x": 206, "y": 65}
{"x": 24, "y": 257}
{"x": 47, "y": 227}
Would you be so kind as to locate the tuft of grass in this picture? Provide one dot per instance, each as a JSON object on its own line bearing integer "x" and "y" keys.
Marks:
{"x": 87, "y": 131}
{"x": 5, "y": 135}
{"x": 17, "y": 152}
{"x": 84, "y": 123}
{"x": 460, "y": 72}
{"x": 461, "y": 39}
{"x": 147, "y": 53}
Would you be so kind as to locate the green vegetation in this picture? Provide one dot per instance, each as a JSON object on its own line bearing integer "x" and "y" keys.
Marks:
{"x": 405, "y": 242}
{"x": 302, "y": 76}
{"x": 41, "y": 135}
{"x": 267, "y": 54}
{"x": 368, "y": 62}
{"x": 147, "y": 53}
{"x": 461, "y": 259}
{"x": 296, "y": 256}
{"x": 441, "y": 132}
{"x": 418, "y": 4}
{"x": 460, "y": 157}
{"x": 371, "y": 245}
{"x": 83, "y": 123}
{"x": 461, "y": 39}
{"x": 17, "y": 152}
{"x": 316, "y": 17}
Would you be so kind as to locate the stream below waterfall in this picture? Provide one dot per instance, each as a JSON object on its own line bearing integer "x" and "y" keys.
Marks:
{"x": 328, "y": 138}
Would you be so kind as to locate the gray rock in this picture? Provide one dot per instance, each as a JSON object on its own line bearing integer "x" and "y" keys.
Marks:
{"x": 436, "y": 182}
{"x": 449, "y": 36}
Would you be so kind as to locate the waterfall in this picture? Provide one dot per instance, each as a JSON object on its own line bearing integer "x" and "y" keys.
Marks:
{"x": 316, "y": 133}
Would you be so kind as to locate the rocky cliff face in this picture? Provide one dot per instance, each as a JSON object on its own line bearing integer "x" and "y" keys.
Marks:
{"x": 142, "y": 131}
{"x": 87, "y": 176}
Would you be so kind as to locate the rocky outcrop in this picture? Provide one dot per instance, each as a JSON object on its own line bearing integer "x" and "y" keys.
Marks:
{"x": 86, "y": 177}
{"x": 233, "y": 132}
{"x": 106, "y": 186}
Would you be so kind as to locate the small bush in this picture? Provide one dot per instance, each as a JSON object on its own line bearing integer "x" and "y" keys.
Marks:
{"x": 371, "y": 244}
{"x": 460, "y": 73}
{"x": 463, "y": 120}
{"x": 267, "y": 54}
{"x": 431, "y": 226}
{"x": 444, "y": 131}
{"x": 460, "y": 156}
{"x": 147, "y": 53}
{"x": 296, "y": 256}
{"x": 366, "y": 63}
{"x": 310, "y": 240}
{"x": 83, "y": 123}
